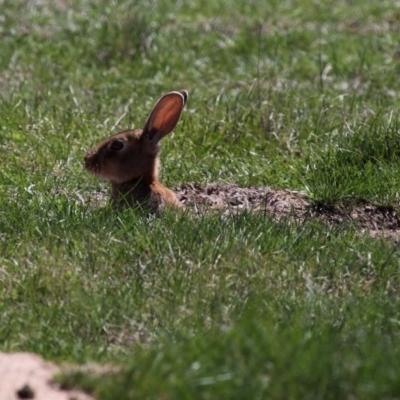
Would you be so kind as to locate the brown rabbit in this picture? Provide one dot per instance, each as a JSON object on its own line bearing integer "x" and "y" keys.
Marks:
{"x": 129, "y": 159}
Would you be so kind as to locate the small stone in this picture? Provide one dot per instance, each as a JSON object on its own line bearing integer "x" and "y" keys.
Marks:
{"x": 25, "y": 392}
{"x": 234, "y": 201}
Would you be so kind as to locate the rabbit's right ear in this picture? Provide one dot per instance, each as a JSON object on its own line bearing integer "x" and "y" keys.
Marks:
{"x": 165, "y": 115}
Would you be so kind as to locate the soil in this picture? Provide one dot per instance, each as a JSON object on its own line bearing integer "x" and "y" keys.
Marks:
{"x": 28, "y": 376}
{"x": 374, "y": 219}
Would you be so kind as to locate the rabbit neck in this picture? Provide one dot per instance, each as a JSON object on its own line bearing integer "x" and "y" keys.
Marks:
{"x": 136, "y": 190}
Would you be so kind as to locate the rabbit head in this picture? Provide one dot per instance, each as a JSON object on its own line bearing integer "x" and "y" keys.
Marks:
{"x": 129, "y": 159}
{"x": 133, "y": 153}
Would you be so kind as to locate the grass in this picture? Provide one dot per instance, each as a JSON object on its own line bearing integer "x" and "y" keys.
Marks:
{"x": 293, "y": 95}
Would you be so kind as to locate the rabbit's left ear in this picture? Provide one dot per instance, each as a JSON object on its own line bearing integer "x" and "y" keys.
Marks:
{"x": 165, "y": 115}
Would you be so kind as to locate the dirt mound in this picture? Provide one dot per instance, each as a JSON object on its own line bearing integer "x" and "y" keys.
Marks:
{"x": 230, "y": 198}
{"x": 286, "y": 203}
{"x": 28, "y": 376}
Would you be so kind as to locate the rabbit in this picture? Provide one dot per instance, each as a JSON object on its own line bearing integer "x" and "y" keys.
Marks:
{"x": 129, "y": 159}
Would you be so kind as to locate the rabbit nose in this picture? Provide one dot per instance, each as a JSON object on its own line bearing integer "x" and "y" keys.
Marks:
{"x": 89, "y": 161}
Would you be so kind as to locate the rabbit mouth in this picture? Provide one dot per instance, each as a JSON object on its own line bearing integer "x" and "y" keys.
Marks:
{"x": 92, "y": 165}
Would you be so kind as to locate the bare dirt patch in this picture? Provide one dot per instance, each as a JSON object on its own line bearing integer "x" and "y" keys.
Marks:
{"x": 232, "y": 198}
{"x": 377, "y": 220}
{"x": 28, "y": 376}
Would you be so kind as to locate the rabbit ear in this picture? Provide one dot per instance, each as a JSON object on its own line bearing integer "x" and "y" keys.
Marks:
{"x": 165, "y": 115}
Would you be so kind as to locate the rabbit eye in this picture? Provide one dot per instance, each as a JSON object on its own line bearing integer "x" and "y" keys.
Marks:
{"x": 117, "y": 145}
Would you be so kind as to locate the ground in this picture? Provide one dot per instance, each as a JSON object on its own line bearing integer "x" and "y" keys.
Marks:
{"x": 28, "y": 376}
{"x": 377, "y": 220}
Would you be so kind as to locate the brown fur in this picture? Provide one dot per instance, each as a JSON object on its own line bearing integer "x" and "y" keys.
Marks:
{"x": 129, "y": 159}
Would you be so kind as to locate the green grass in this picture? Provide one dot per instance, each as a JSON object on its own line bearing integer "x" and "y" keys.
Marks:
{"x": 294, "y": 95}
